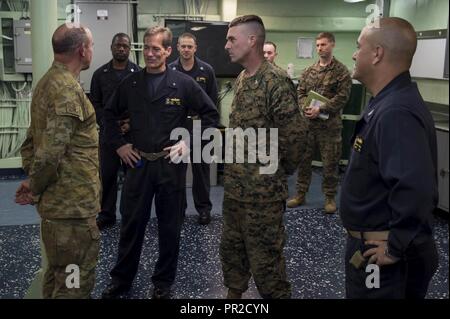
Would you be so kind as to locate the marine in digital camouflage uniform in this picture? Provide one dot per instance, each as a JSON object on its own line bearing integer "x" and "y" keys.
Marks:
{"x": 253, "y": 235}
{"x": 60, "y": 156}
{"x": 270, "y": 53}
{"x": 333, "y": 81}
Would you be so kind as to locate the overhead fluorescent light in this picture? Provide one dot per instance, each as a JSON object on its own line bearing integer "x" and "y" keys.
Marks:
{"x": 197, "y": 28}
{"x": 353, "y": 1}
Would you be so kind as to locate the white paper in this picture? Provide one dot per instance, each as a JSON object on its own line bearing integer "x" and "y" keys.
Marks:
{"x": 305, "y": 47}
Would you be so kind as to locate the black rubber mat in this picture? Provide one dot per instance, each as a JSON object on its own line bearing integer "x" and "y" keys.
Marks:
{"x": 314, "y": 255}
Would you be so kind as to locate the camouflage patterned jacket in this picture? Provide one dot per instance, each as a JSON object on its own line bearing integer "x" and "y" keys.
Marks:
{"x": 332, "y": 81}
{"x": 283, "y": 71}
{"x": 60, "y": 153}
{"x": 265, "y": 100}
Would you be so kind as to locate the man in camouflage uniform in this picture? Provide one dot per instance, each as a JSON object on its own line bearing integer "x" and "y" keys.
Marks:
{"x": 270, "y": 53}
{"x": 253, "y": 234}
{"x": 60, "y": 156}
{"x": 331, "y": 79}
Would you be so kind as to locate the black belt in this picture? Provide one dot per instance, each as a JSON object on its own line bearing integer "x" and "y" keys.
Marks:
{"x": 153, "y": 156}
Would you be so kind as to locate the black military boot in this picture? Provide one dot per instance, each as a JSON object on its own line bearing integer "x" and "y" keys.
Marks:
{"x": 103, "y": 223}
{"x": 204, "y": 218}
{"x": 114, "y": 290}
{"x": 159, "y": 293}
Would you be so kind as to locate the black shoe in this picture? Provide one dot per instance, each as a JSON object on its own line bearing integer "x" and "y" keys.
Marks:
{"x": 105, "y": 223}
{"x": 204, "y": 218}
{"x": 115, "y": 290}
{"x": 159, "y": 293}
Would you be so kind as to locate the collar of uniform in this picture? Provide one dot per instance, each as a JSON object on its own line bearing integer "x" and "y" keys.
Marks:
{"x": 202, "y": 65}
{"x": 176, "y": 65}
{"x": 327, "y": 67}
{"x": 131, "y": 67}
{"x": 196, "y": 63}
{"x": 401, "y": 80}
{"x": 62, "y": 66}
{"x": 108, "y": 67}
{"x": 171, "y": 80}
{"x": 369, "y": 110}
{"x": 59, "y": 65}
{"x": 253, "y": 81}
{"x": 398, "y": 82}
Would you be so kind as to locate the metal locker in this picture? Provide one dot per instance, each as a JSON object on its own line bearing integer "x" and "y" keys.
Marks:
{"x": 104, "y": 19}
{"x": 22, "y": 46}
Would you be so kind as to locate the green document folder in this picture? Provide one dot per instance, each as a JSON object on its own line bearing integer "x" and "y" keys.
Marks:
{"x": 315, "y": 99}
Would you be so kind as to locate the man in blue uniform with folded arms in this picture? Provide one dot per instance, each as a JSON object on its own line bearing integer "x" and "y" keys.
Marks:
{"x": 390, "y": 188}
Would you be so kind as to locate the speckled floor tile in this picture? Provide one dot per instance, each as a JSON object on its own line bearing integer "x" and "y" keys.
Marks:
{"x": 314, "y": 252}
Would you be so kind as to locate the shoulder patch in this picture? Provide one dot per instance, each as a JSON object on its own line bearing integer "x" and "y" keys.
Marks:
{"x": 70, "y": 109}
{"x": 69, "y": 103}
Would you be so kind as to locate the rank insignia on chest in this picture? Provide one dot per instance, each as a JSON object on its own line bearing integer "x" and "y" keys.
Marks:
{"x": 200, "y": 79}
{"x": 173, "y": 101}
{"x": 357, "y": 145}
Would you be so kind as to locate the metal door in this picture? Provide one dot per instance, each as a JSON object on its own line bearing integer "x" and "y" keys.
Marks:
{"x": 104, "y": 19}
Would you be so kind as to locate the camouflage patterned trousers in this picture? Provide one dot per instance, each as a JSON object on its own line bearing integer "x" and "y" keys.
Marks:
{"x": 70, "y": 242}
{"x": 330, "y": 147}
{"x": 252, "y": 243}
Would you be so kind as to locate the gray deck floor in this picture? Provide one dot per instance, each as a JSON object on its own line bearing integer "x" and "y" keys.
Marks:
{"x": 314, "y": 251}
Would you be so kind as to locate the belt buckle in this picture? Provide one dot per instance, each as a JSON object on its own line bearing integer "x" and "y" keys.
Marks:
{"x": 152, "y": 157}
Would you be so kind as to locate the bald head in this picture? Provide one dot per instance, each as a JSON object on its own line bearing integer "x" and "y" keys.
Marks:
{"x": 398, "y": 38}
{"x": 68, "y": 37}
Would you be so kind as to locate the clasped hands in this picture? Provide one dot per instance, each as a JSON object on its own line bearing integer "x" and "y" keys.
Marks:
{"x": 23, "y": 194}
{"x": 312, "y": 112}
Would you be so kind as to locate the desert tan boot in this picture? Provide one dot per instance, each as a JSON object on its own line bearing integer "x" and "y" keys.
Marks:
{"x": 296, "y": 201}
{"x": 330, "y": 205}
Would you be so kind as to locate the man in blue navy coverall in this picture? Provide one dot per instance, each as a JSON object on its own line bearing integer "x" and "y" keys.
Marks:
{"x": 158, "y": 100}
{"x": 390, "y": 188}
{"x": 204, "y": 75}
{"x": 104, "y": 81}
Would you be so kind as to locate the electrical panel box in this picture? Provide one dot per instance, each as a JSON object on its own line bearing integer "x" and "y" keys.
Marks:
{"x": 22, "y": 46}
{"x": 104, "y": 19}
